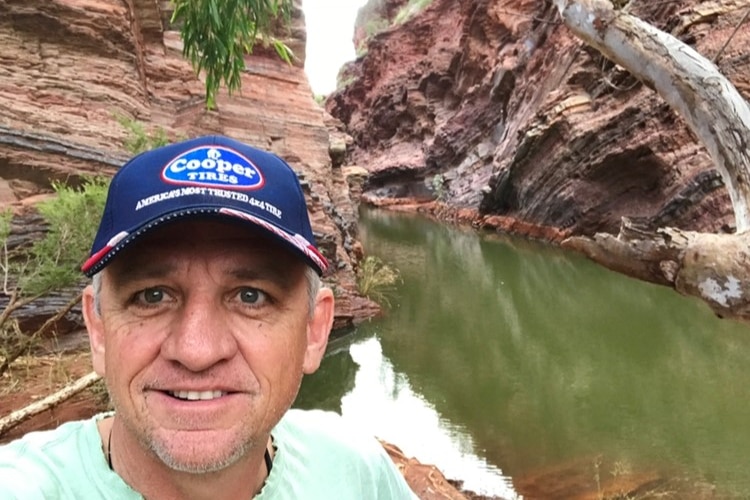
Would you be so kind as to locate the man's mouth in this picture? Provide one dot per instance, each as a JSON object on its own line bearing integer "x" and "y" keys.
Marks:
{"x": 196, "y": 395}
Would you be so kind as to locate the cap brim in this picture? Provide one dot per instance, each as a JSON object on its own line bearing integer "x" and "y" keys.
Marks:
{"x": 297, "y": 244}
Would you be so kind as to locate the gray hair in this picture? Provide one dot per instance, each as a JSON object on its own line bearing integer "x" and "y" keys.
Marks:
{"x": 314, "y": 285}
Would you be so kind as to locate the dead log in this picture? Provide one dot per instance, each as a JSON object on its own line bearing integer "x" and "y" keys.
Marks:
{"x": 713, "y": 267}
{"x": 50, "y": 401}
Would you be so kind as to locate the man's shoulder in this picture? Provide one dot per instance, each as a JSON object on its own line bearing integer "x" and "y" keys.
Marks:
{"x": 43, "y": 441}
{"x": 326, "y": 428}
{"x": 311, "y": 420}
{"x": 45, "y": 463}
{"x": 315, "y": 446}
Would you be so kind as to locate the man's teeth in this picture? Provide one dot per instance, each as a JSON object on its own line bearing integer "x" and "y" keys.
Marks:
{"x": 196, "y": 395}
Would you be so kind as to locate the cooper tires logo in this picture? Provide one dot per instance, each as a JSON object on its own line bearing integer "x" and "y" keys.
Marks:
{"x": 214, "y": 166}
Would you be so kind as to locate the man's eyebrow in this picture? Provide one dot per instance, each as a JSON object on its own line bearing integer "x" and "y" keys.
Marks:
{"x": 139, "y": 271}
{"x": 273, "y": 273}
{"x": 148, "y": 271}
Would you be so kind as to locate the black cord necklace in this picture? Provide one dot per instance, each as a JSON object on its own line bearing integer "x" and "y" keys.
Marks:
{"x": 266, "y": 456}
{"x": 269, "y": 461}
{"x": 109, "y": 450}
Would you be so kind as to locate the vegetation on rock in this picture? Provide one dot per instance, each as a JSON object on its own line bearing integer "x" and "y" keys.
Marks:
{"x": 139, "y": 139}
{"x": 373, "y": 19}
{"x": 51, "y": 263}
{"x": 377, "y": 280}
{"x": 410, "y": 9}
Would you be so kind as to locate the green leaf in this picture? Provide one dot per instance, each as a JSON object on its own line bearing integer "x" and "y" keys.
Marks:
{"x": 283, "y": 51}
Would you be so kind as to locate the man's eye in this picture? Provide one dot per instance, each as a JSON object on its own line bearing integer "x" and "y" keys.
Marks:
{"x": 151, "y": 296}
{"x": 251, "y": 296}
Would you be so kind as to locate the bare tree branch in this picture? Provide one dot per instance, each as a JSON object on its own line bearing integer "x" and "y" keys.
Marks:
{"x": 29, "y": 341}
{"x": 692, "y": 85}
{"x": 50, "y": 401}
{"x": 736, "y": 29}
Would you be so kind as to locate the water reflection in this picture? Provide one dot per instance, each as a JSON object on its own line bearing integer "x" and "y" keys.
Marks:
{"x": 531, "y": 359}
{"x": 326, "y": 387}
{"x": 358, "y": 382}
{"x": 383, "y": 401}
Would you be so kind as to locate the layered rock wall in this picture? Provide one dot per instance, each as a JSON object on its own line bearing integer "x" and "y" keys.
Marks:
{"x": 71, "y": 69}
{"x": 496, "y": 109}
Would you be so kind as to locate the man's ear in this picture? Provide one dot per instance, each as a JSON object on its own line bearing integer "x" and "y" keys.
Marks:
{"x": 318, "y": 328}
{"x": 95, "y": 328}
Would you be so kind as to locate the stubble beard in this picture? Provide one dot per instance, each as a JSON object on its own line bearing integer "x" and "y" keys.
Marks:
{"x": 162, "y": 449}
{"x": 163, "y": 452}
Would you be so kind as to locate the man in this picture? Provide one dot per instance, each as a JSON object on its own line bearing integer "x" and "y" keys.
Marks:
{"x": 205, "y": 311}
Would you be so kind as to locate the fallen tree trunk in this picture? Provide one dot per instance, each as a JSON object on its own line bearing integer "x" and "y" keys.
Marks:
{"x": 67, "y": 392}
{"x": 713, "y": 267}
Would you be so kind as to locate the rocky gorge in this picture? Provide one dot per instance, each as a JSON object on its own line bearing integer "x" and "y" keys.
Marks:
{"x": 495, "y": 114}
{"x": 482, "y": 112}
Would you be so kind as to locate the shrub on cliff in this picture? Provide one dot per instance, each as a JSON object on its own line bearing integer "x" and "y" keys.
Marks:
{"x": 139, "y": 139}
{"x": 410, "y": 9}
{"x": 51, "y": 263}
{"x": 54, "y": 261}
{"x": 377, "y": 280}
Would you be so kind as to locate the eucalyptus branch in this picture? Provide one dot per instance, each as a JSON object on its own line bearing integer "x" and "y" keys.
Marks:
{"x": 15, "y": 303}
{"x": 216, "y": 36}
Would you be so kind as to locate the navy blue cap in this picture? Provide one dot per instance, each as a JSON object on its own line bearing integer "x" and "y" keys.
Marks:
{"x": 207, "y": 175}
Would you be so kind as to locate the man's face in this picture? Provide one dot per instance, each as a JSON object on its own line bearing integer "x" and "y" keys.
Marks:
{"x": 203, "y": 336}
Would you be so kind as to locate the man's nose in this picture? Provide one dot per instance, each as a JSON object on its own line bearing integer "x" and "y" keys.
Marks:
{"x": 200, "y": 335}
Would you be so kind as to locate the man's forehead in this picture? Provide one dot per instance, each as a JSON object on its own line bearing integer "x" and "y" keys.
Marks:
{"x": 242, "y": 248}
{"x": 195, "y": 230}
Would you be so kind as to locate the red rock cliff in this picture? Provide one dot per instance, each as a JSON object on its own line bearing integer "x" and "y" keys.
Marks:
{"x": 69, "y": 67}
{"x": 496, "y": 108}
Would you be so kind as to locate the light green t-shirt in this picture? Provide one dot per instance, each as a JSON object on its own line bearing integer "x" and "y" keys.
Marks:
{"x": 318, "y": 457}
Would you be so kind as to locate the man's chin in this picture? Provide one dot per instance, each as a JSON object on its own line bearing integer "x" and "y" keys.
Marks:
{"x": 203, "y": 455}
